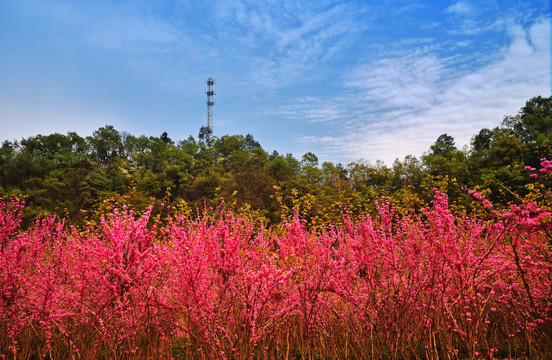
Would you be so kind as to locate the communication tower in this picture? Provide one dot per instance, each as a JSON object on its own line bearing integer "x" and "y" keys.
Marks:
{"x": 210, "y": 93}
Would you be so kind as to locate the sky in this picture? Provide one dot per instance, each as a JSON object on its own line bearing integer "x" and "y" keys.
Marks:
{"x": 346, "y": 80}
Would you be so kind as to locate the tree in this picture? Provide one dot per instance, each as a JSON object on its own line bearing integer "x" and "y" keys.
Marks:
{"x": 105, "y": 144}
{"x": 189, "y": 146}
{"x": 278, "y": 168}
{"x": 444, "y": 146}
{"x": 439, "y": 161}
{"x": 407, "y": 173}
{"x": 251, "y": 142}
{"x": 204, "y": 136}
{"x": 166, "y": 139}
{"x": 128, "y": 142}
{"x": 95, "y": 182}
{"x": 78, "y": 143}
{"x": 6, "y": 155}
{"x": 229, "y": 143}
{"x": 534, "y": 119}
{"x": 309, "y": 159}
{"x": 482, "y": 141}
{"x": 331, "y": 174}
{"x": 310, "y": 168}
{"x": 259, "y": 156}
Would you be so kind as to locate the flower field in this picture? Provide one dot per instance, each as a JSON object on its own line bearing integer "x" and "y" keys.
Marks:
{"x": 426, "y": 286}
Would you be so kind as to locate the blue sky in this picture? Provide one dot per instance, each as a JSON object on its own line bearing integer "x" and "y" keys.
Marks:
{"x": 347, "y": 80}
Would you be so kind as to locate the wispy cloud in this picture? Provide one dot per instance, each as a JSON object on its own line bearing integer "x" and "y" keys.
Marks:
{"x": 473, "y": 19}
{"x": 406, "y": 103}
{"x": 410, "y": 81}
{"x": 314, "y": 109}
{"x": 460, "y": 8}
{"x": 294, "y": 37}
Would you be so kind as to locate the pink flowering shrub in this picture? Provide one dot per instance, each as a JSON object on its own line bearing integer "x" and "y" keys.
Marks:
{"x": 435, "y": 285}
{"x": 10, "y": 218}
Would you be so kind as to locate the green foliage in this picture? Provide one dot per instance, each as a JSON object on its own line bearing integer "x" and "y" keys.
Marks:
{"x": 534, "y": 120}
{"x": 105, "y": 144}
{"x": 96, "y": 182}
{"x": 71, "y": 175}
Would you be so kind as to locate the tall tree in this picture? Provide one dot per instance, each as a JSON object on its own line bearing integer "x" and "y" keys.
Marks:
{"x": 166, "y": 139}
{"x": 105, "y": 144}
{"x": 534, "y": 119}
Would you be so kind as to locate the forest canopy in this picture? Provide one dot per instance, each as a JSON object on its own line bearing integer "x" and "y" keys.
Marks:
{"x": 74, "y": 176}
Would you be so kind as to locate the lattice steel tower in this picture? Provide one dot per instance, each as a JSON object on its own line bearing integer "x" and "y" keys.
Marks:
{"x": 210, "y": 93}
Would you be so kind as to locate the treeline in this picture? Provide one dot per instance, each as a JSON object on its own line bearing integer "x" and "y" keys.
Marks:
{"x": 76, "y": 177}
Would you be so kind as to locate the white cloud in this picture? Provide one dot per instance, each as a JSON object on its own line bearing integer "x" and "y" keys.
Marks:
{"x": 286, "y": 40}
{"x": 410, "y": 81}
{"x": 460, "y": 8}
{"x": 314, "y": 110}
{"x": 473, "y": 20}
{"x": 406, "y": 103}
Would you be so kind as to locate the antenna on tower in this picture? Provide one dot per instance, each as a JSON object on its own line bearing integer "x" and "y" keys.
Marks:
{"x": 210, "y": 93}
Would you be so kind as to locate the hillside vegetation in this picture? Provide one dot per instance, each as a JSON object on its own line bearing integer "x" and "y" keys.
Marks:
{"x": 75, "y": 177}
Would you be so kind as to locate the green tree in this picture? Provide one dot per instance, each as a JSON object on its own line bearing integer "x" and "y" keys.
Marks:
{"x": 251, "y": 142}
{"x": 376, "y": 177}
{"x": 443, "y": 146}
{"x": 407, "y": 173}
{"x": 105, "y": 144}
{"x": 189, "y": 146}
{"x": 439, "y": 160}
{"x": 166, "y": 139}
{"x": 482, "y": 141}
{"x": 331, "y": 174}
{"x": 280, "y": 168}
{"x": 96, "y": 182}
{"x": 205, "y": 136}
{"x": 229, "y": 143}
{"x": 533, "y": 120}
{"x": 309, "y": 167}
